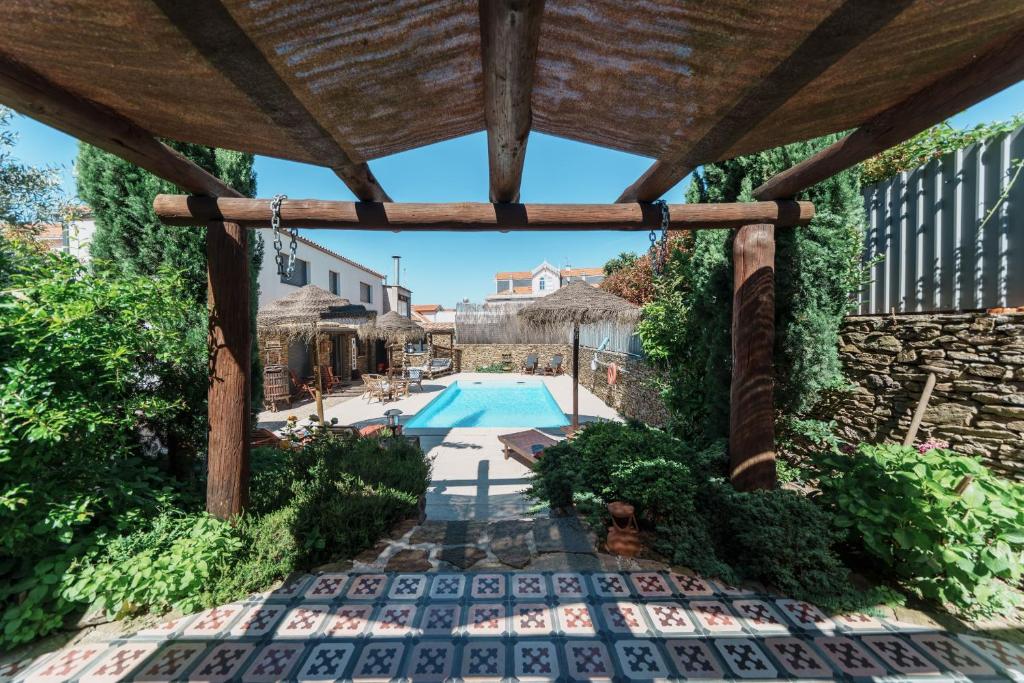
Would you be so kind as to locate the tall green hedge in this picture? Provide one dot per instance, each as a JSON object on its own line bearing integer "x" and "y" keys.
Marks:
{"x": 687, "y": 327}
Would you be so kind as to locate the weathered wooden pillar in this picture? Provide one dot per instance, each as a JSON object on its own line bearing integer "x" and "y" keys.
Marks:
{"x": 751, "y": 410}
{"x": 227, "y": 268}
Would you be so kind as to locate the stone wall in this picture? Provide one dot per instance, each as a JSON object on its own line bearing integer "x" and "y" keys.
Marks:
{"x": 633, "y": 395}
{"x": 978, "y": 401}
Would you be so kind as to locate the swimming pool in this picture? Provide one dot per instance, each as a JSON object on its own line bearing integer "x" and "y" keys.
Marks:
{"x": 501, "y": 403}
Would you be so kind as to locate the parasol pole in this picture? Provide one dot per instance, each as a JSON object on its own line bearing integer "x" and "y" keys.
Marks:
{"x": 575, "y": 376}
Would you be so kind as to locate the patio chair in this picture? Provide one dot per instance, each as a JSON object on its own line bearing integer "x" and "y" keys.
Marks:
{"x": 530, "y": 365}
{"x": 380, "y": 388}
{"x": 414, "y": 376}
{"x": 368, "y": 385}
{"x": 439, "y": 366}
{"x": 554, "y": 366}
{"x": 301, "y": 388}
{"x": 331, "y": 381}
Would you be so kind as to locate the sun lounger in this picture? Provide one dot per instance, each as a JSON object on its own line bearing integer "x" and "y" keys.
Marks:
{"x": 554, "y": 366}
{"x": 526, "y": 447}
{"x": 438, "y": 367}
{"x": 530, "y": 365}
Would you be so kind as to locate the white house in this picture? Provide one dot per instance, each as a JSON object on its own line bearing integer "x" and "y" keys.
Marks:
{"x": 528, "y": 285}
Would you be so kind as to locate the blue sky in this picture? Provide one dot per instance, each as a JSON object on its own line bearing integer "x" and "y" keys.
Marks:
{"x": 446, "y": 267}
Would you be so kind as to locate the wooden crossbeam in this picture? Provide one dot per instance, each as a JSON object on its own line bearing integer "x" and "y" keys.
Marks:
{"x": 847, "y": 27}
{"x": 34, "y": 95}
{"x": 503, "y": 217}
{"x": 213, "y": 31}
{"x": 509, "y": 35}
{"x": 999, "y": 67}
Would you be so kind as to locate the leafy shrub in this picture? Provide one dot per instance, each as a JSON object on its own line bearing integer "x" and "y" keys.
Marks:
{"x": 493, "y": 367}
{"x": 903, "y": 507}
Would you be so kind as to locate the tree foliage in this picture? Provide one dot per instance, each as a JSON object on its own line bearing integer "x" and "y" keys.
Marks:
{"x": 29, "y": 195}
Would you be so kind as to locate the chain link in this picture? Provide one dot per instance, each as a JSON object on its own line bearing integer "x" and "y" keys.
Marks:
{"x": 659, "y": 250}
{"x": 283, "y": 267}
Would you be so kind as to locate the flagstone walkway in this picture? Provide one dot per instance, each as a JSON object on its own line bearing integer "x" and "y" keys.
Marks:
{"x": 536, "y": 626}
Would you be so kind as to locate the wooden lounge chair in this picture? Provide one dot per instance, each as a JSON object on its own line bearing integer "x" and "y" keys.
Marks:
{"x": 554, "y": 366}
{"x": 438, "y": 367}
{"x": 302, "y": 389}
{"x": 331, "y": 381}
{"x": 530, "y": 365}
{"x": 526, "y": 447}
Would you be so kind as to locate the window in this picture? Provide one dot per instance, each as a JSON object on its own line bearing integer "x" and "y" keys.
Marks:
{"x": 543, "y": 284}
{"x": 300, "y": 275}
{"x": 365, "y": 293}
{"x": 334, "y": 282}
{"x": 403, "y": 305}
{"x": 504, "y": 285}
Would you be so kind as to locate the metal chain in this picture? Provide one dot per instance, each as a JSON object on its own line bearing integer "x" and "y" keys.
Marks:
{"x": 658, "y": 251}
{"x": 279, "y": 258}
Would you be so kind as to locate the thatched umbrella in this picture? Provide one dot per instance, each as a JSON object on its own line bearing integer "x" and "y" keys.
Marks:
{"x": 580, "y": 304}
{"x": 392, "y": 328}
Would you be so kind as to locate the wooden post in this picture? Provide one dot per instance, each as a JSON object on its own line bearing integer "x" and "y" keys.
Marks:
{"x": 922, "y": 406}
{"x": 575, "y": 376}
{"x": 751, "y": 413}
{"x": 227, "y": 259}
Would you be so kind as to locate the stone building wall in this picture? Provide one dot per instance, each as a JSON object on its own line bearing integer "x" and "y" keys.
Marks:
{"x": 978, "y": 401}
{"x": 633, "y": 395}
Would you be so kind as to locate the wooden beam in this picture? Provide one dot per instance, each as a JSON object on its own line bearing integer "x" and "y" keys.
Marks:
{"x": 213, "y": 31}
{"x": 751, "y": 409}
{"x": 848, "y": 26}
{"x": 227, "y": 264}
{"x": 509, "y": 35}
{"x": 34, "y": 95}
{"x": 995, "y": 69}
{"x": 308, "y": 213}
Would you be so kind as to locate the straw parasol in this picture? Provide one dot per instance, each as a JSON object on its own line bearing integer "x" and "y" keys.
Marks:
{"x": 391, "y": 327}
{"x": 580, "y": 304}
{"x": 301, "y": 313}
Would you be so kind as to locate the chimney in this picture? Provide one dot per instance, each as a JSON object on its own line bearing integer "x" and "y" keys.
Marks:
{"x": 397, "y": 261}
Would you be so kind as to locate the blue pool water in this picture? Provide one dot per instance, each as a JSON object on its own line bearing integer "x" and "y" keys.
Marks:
{"x": 502, "y": 403}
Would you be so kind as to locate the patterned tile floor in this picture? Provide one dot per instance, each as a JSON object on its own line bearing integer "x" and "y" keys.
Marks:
{"x": 527, "y": 627}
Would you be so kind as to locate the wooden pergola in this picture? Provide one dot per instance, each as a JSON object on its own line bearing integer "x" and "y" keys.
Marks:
{"x": 339, "y": 83}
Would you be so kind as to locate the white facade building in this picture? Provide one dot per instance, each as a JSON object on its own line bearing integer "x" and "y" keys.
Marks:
{"x": 528, "y": 285}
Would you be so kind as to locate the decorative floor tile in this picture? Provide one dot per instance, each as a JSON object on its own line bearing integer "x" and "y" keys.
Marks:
{"x": 693, "y": 658}
{"x": 448, "y": 587}
{"x": 440, "y": 620}
{"x": 798, "y": 658}
{"x": 378, "y": 662}
{"x": 258, "y": 620}
{"x": 535, "y": 661}
{"x": 488, "y": 586}
{"x": 669, "y": 618}
{"x": 806, "y": 616}
{"x": 953, "y": 654}
{"x": 483, "y": 661}
{"x": 66, "y": 663}
{"x": 610, "y": 585}
{"x": 529, "y": 586}
{"x": 588, "y": 660}
{"x": 576, "y": 619}
{"x": 1002, "y": 654}
{"x": 326, "y": 662}
{"x": 367, "y": 586}
{"x": 714, "y": 616}
{"x": 640, "y": 660}
{"x": 849, "y": 656}
{"x": 274, "y": 662}
{"x": 13, "y": 670}
{"x": 650, "y": 584}
{"x": 222, "y": 663}
{"x": 569, "y": 585}
{"x": 212, "y": 622}
{"x": 858, "y": 622}
{"x": 733, "y": 591}
{"x": 430, "y": 661}
{"x": 117, "y": 663}
{"x": 394, "y": 620}
{"x": 326, "y": 587}
{"x": 170, "y": 662}
{"x": 290, "y": 588}
{"x": 302, "y": 622}
{"x": 624, "y": 617}
{"x": 900, "y": 654}
{"x": 759, "y": 616}
{"x": 532, "y": 619}
{"x": 408, "y": 587}
{"x": 745, "y": 657}
{"x": 485, "y": 620}
{"x": 348, "y": 621}
{"x": 692, "y": 586}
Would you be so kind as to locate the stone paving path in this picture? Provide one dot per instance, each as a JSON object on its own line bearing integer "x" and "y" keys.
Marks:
{"x": 542, "y": 626}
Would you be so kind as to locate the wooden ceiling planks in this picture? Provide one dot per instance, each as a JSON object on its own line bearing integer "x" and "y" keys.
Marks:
{"x": 209, "y": 26}
{"x": 509, "y": 35}
{"x": 841, "y": 31}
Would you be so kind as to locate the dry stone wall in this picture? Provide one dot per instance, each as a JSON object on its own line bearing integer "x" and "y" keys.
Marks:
{"x": 633, "y": 395}
{"x": 978, "y": 401}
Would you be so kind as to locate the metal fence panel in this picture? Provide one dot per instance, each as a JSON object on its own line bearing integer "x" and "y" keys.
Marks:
{"x": 925, "y": 241}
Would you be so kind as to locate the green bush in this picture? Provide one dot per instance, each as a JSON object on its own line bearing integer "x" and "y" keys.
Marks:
{"x": 493, "y": 367}
{"x": 902, "y": 506}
